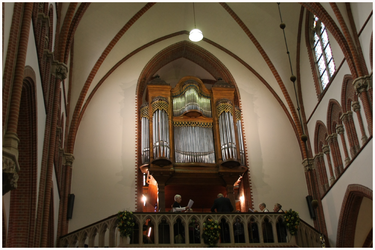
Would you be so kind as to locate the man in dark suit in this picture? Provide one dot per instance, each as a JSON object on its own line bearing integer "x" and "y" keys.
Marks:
{"x": 222, "y": 204}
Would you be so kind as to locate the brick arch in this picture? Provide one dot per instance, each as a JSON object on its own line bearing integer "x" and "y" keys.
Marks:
{"x": 191, "y": 52}
{"x": 319, "y": 135}
{"x": 333, "y": 115}
{"x": 23, "y": 199}
{"x": 349, "y": 214}
{"x": 347, "y": 93}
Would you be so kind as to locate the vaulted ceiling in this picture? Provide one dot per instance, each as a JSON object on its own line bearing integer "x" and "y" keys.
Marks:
{"x": 105, "y": 35}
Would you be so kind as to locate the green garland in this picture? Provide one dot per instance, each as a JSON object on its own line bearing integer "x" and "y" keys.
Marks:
{"x": 125, "y": 223}
{"x": 211, "y": 232}
{"x": 291, "y": 220}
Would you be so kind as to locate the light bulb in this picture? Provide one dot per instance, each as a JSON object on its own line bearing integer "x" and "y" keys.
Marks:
{"x": 195, "y": 35}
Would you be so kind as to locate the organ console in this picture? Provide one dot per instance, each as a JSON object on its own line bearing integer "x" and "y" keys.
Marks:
{"x": 191, "y": 134}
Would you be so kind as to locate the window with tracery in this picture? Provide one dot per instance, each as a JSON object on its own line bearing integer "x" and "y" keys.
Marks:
{"x": 322, "y": 52}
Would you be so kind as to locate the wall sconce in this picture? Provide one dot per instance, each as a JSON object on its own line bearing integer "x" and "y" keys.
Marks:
{"x": 242, "y": 198}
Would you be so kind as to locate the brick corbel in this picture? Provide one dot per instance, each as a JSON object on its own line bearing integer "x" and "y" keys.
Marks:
{"x": 59, "y": 70}
{"x": 68, "y": 159}
{"x": 308, "y": 164}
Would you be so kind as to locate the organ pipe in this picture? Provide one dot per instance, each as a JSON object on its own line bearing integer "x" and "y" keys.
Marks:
{"x": 160, "y": 128}
{"x": 240, "y": 136}
{"x": 194, "y": 142}
{"x": 190, "y": 98}
{"x": 226, "y": 130}
{"x": 145, "y": 134}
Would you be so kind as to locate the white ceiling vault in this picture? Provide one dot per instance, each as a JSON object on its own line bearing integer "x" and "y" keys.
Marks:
{"x": 104, "y": 37}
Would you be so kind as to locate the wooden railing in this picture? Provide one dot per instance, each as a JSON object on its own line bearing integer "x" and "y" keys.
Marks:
{"x": 184, "y": 230}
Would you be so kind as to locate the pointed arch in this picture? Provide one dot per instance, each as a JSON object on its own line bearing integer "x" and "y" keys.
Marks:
{"x": 349, "y": 214}
{"x": 333, "y": 115}
{"x": 23, "y": 199}
{"x": 320, "y": 135}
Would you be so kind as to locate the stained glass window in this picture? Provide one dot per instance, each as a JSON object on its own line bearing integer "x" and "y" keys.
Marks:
{"x": 322, "y": 52}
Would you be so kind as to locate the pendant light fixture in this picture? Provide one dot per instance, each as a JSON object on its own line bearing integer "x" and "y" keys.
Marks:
{"x": 195, "y": 34}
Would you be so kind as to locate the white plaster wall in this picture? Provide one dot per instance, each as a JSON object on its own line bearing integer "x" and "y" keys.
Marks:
{"x": 104, "y": 168}
{"x": 359, "y": 172}
{"x": 103, "y": 177}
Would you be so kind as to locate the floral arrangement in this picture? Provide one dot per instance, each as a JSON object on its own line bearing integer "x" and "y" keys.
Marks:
{"x": 125, "y": 223}
{"x": 211, "y": 232}
{"x": 291, "y": 220}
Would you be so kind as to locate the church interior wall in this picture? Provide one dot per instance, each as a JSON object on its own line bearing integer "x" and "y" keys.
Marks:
{"x": 357, "y": 172}
{"x": 110, "y": 120}
{"x": 105, "y": 151}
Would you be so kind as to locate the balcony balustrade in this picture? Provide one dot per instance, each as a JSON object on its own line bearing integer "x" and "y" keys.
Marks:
{"x": 185, "y": 230}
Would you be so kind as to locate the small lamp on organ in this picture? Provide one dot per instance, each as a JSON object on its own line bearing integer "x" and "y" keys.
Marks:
{"x": 144, "y": 199}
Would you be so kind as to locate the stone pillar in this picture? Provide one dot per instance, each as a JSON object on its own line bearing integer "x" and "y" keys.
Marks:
{"x": 356, "y": 109}
{"x": 360, "y": 85}
{"x": 340, "y": 131}
{"x": 326, "y": 152}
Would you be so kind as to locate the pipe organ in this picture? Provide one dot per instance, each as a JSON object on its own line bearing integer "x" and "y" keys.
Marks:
{"x": 189, "y": 123}
{"x": 190, "y": 135}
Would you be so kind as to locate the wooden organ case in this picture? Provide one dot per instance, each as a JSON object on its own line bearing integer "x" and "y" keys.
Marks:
{"x": 191, "y": 142}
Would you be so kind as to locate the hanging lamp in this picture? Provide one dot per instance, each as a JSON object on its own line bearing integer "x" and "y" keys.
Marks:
{"x": 195, "y": 34}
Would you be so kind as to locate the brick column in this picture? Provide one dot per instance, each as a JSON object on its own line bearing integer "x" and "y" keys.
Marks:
{"x": 340, "y": 131}
{"x": 10, "y": 138}
{"x": 360, "y": 85}
{"x": 356, "y": 108}
{"x": 326, "y": 152}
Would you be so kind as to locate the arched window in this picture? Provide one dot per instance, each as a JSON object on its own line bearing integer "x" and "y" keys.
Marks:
{"x": 322, "y": 52}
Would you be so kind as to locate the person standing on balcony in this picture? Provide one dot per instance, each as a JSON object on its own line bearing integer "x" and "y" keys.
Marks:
{"x": 262, "y": 207}
{"x": 222, "y": 204}
{"x": 277, "y": 208}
